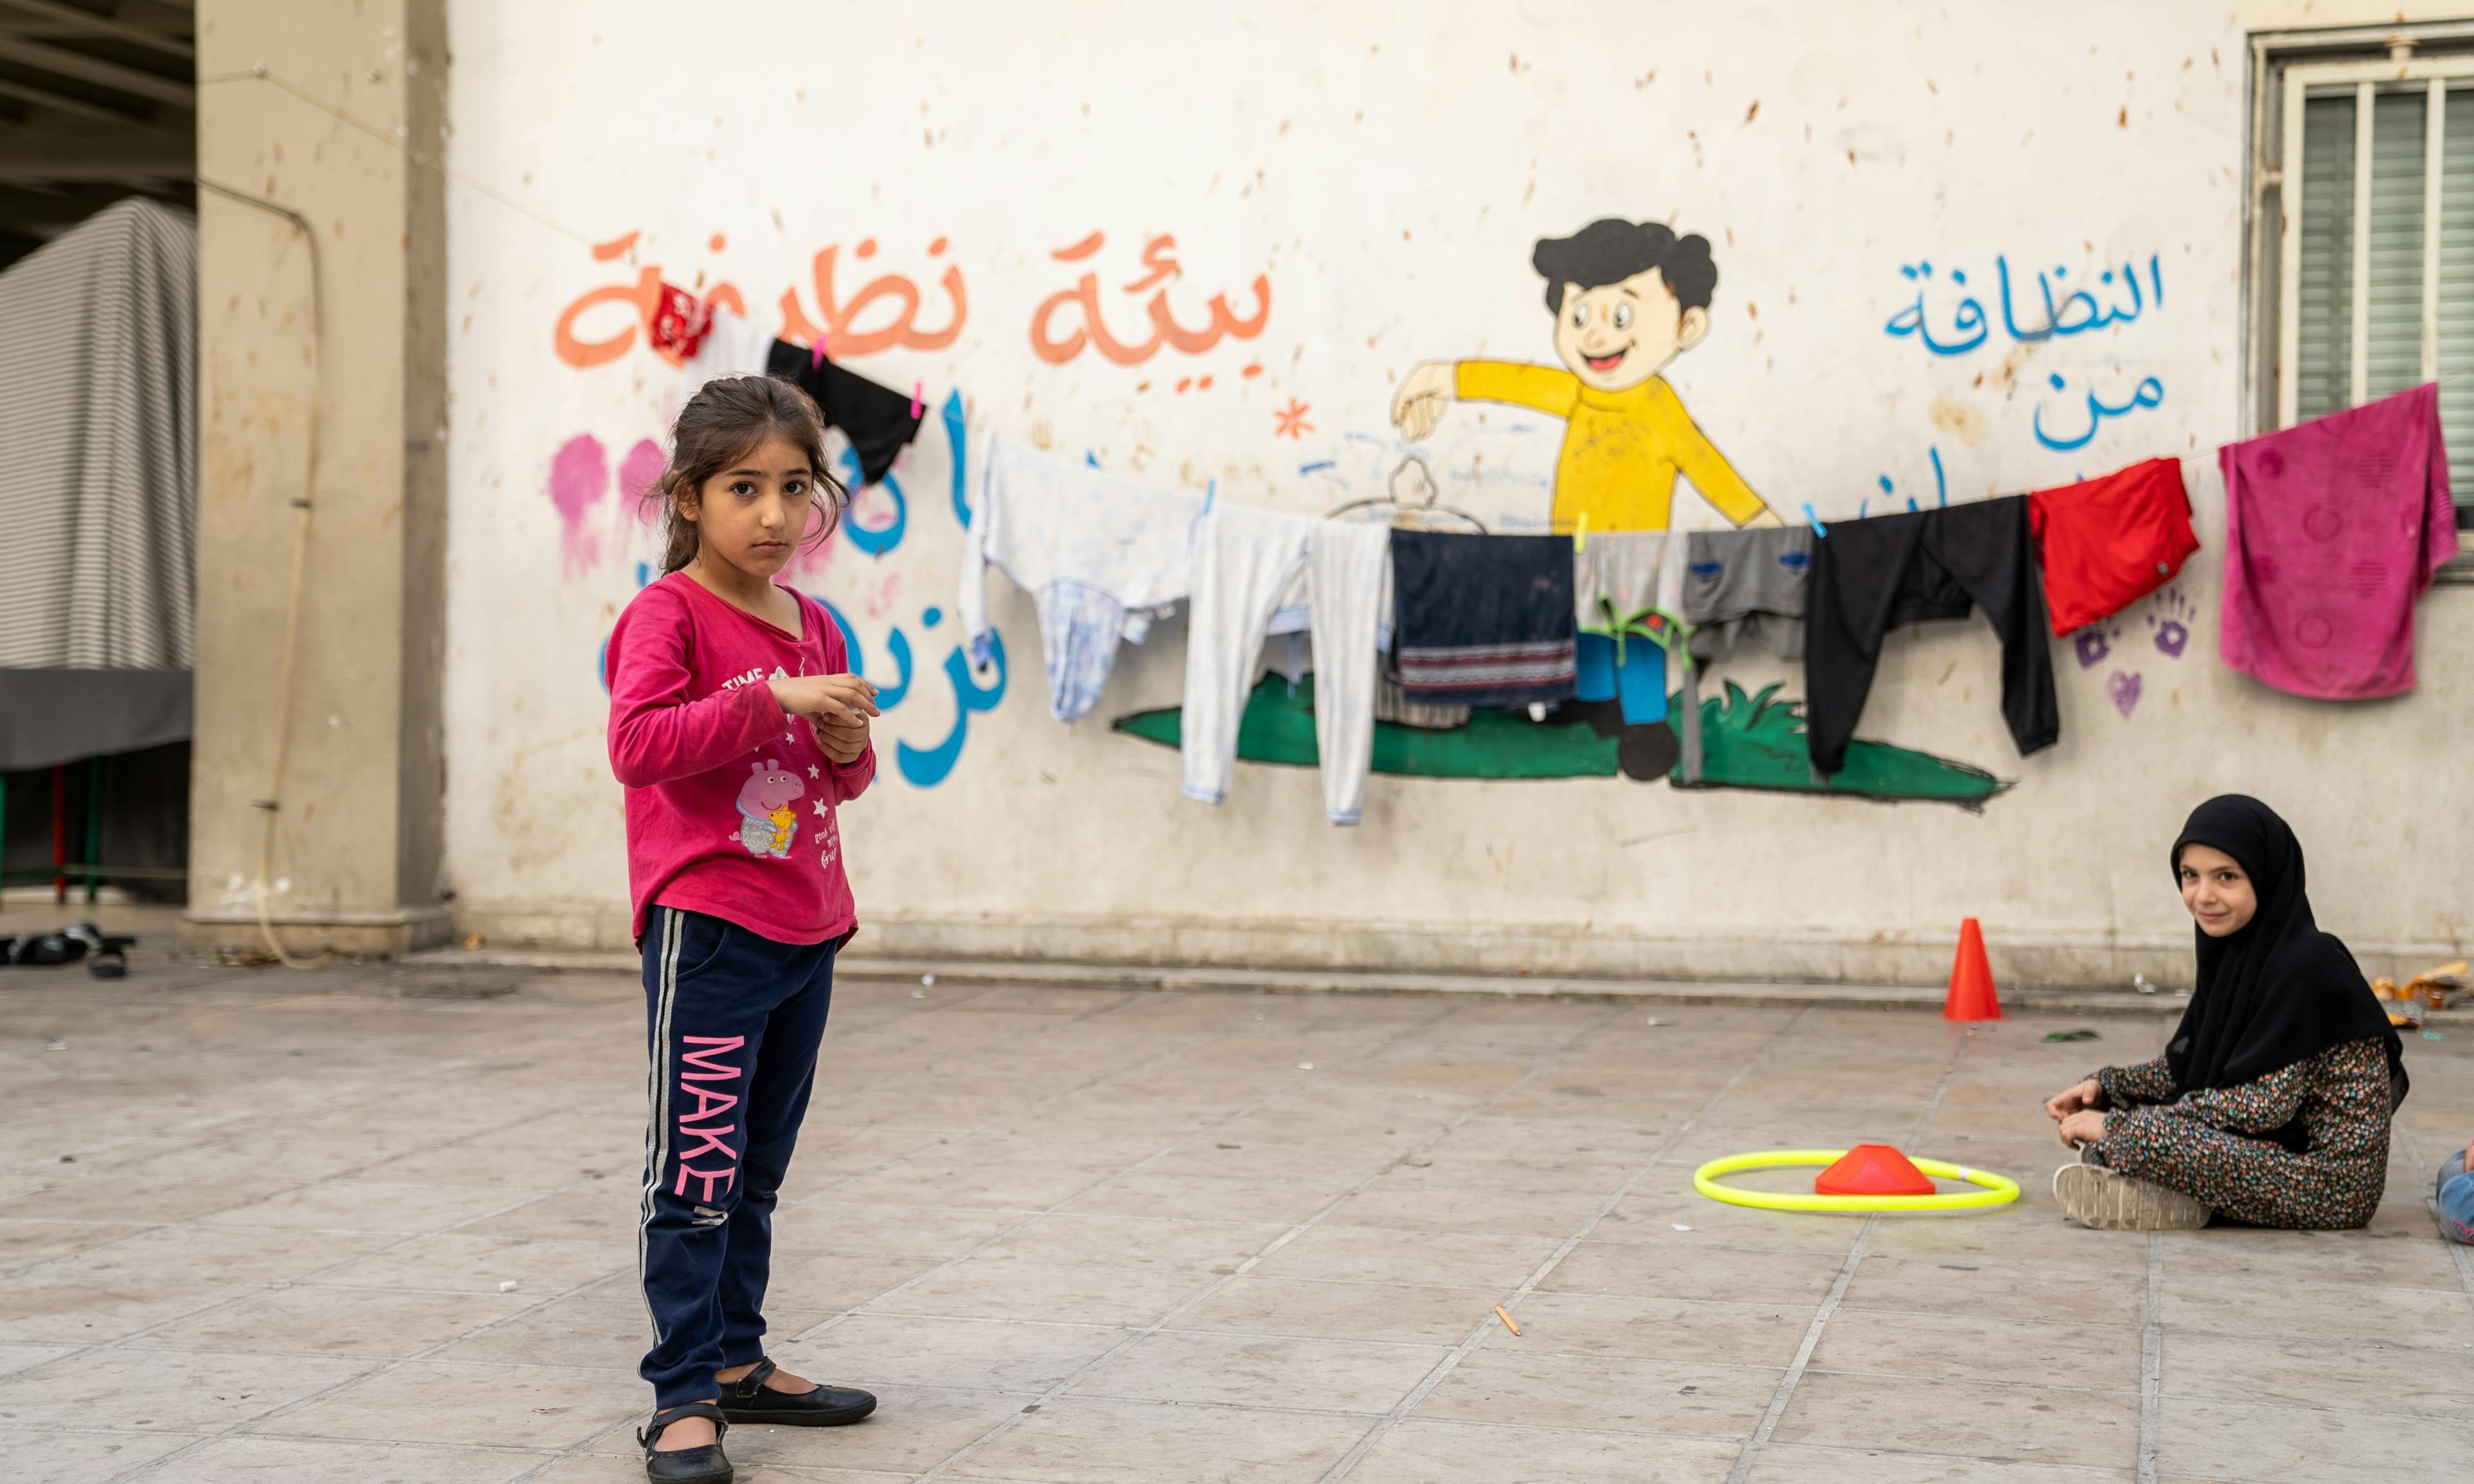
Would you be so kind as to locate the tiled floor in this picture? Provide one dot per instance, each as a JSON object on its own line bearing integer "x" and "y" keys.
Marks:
{"x": 258, "y": 1226}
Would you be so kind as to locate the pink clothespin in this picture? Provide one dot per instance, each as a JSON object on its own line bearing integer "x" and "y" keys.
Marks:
{"x": 816, "y": 351}
{"x": 918, "y": 391}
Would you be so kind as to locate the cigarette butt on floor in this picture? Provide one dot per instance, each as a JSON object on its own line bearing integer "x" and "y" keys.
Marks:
{"x": 1507, "y": 1319}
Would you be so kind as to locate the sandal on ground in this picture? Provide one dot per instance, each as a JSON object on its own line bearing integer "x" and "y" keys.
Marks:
{"x": 747, "y": 1400}
{"x": 705, "y": 1465}
{"x": 109, "y": 950}
{"x": 2110, "y": 1201}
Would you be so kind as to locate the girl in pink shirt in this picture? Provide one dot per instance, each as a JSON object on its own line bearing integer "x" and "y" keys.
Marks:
{"x": 737, "y": 731}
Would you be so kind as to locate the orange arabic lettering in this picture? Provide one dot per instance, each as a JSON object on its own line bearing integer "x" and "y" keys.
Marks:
{"x": 1093, "y": 331}
{"x": 902, "y": 328}
{"x": 644, "y": 295}
{"x": 1222, "y": 321}
{"x": 1158, "y": 257}
{"x": 937, "y": 340}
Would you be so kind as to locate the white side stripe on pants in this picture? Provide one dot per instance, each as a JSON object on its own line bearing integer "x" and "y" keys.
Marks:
{"x": 657, "y": 1093}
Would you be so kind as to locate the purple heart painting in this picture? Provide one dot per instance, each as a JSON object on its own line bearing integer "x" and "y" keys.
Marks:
{"x": 2124, "y": 688}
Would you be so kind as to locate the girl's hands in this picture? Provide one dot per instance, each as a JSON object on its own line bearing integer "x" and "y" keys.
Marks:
{"x": 845, "y": 699}
{"x": 2061, "y": 1105}
{"x": 841, "y": 741}
{"x": 2084, "y": 1127}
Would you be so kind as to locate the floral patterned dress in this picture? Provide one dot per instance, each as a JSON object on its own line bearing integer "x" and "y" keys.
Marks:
{"x": 2212, "y": 1144}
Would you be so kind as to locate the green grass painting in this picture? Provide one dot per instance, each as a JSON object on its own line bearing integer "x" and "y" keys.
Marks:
{"x": 1747, "y": 742}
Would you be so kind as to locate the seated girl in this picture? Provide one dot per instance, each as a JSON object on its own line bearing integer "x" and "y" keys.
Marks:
{"x": 2452, "y": 1196}
{"x": 2270, "y": 1104}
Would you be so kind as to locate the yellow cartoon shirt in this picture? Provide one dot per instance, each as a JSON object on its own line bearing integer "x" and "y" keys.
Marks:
{"x": 1622, "y": 449}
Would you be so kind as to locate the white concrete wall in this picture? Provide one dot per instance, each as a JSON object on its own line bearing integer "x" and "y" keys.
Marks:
{"x": 1389, "y": 169}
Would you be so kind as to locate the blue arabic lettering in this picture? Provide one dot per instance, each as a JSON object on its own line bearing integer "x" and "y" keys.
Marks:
{"x": 850, "y": 643}
{"x": 926, "y": 768}
{"x": 1941, "y": 485}
{"x": 2010, "y": 320}
{"x": 956, "y": 436}
{"x": 601, "y": 660}
{"x": 881, "y": 541}
{"x": 1911, "y": 321}
{"x": 2150, "y": 393}
{"x": 898, "y": 645}
{"x": 2076, "y": 312}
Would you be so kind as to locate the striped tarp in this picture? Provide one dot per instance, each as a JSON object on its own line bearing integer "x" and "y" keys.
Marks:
{"x": 99, "y": 445}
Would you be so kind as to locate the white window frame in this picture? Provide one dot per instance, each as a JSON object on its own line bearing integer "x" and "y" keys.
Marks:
{"x": 2366, "y": 79}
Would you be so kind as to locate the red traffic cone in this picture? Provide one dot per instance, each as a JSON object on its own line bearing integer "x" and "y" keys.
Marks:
{"x": 1970, "y": 979}
{"x": 1873, "y": 1169}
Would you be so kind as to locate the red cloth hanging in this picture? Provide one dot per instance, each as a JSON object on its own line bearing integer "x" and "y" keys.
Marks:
{"x": 2105, "y": 543}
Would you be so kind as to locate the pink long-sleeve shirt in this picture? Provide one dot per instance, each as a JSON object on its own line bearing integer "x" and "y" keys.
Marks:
{"x": 730, "y": 803}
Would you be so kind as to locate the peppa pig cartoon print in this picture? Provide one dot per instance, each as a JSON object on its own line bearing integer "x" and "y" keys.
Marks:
{"x": 766, "y": 822}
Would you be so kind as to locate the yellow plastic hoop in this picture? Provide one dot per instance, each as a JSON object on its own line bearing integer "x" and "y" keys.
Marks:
{"x": 1997, "y": 1189}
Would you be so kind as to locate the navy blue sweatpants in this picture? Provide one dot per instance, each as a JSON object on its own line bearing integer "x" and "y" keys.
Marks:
{"x": 733, "y": 1021}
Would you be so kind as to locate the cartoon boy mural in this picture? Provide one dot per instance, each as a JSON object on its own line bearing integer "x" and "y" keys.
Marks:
{"x": 1628, "y": 298}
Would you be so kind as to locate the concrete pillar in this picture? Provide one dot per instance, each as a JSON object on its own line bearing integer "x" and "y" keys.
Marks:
{"x": 332, "y": 109}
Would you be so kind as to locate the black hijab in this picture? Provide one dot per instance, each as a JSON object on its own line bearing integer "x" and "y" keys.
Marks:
{"x": 2278, "y": 990}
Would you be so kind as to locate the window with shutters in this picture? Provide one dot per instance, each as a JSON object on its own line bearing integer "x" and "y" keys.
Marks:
{"x": 2365, "y": 250}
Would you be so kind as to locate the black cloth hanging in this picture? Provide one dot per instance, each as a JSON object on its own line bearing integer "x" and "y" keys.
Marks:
{"x": 1871, "y": 576}
{"x": 877, "y": 420}
{"x": 2279, "y": 991}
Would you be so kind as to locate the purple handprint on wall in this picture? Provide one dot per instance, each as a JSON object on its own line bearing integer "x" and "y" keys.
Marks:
{"x": 2169, "y": 625}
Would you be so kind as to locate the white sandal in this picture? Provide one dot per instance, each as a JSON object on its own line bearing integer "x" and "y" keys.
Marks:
{"x": 2110, "y": 1201}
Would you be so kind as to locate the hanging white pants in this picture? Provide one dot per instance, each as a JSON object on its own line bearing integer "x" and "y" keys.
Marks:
{"x": 1244, "y": 560}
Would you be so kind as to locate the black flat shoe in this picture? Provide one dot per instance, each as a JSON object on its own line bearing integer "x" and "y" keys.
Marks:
{"x": 747, "y": 1399}
{"x": 705, "y": 1465}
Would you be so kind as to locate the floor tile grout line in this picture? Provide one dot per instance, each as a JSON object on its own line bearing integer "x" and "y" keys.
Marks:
{"x": 1165, "y": 1053}
{"x": 1291, "y": 1090}
{"x": 346, "y": 1173}
{"x": 1893, "y": 1450}
{"x": 1829, "y": 1305}
{"x": 1033, "y": 1214}
{"x": 1468, "y": 1343}
{"x": 2152, "y": 1362}
{"x": 385, "y": 1368}
{"x": 1785, "y": 1392}
{"x": 1222, "y": 1282}
{"x": 253, "y": 1291}
{"x": 208, "y": 1133}
{"x": 259, "y": 1289}
{"x": 198, "y": 1438}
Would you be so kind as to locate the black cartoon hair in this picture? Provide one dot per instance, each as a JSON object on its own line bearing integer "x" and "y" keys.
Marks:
{"x": 1614, "y": 250}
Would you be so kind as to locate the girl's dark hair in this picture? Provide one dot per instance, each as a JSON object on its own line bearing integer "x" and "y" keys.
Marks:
{"x": 721, "y": 425}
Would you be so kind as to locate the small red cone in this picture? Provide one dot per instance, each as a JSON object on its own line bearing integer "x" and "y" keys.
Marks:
{"x": 1873, "y": 1169}
{"x": 1970, "y": 979}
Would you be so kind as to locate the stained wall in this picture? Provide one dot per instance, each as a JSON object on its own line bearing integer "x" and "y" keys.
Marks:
{"x": 1206, "y": 250}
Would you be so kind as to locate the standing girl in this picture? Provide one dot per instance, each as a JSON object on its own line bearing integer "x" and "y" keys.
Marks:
{"x": 735, "y": 731}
